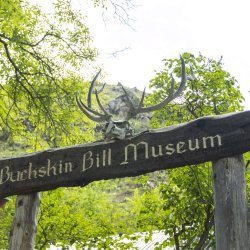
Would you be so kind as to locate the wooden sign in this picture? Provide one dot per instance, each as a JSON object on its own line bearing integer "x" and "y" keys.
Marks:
{"x": 205, "y": 139}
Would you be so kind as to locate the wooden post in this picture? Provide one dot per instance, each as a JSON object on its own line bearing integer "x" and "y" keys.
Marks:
{"x": 23, "y": 233}
{"x": 231, "y": 212}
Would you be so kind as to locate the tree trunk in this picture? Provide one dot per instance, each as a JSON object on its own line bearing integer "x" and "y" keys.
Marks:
{"x": 23, "y": 233}
{"x": 231, "y": 210}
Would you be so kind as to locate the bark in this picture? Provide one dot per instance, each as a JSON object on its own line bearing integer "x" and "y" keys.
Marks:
{"x": 23, "y": 233}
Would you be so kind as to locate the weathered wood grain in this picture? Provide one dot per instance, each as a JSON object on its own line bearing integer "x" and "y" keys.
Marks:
{"x": 24, "y": 228}
{"x": 231, "y": 210}
{"x": 201, "y": 140}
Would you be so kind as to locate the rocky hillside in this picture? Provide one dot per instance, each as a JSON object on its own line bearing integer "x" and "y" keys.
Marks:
{"x": 116, "y": 103}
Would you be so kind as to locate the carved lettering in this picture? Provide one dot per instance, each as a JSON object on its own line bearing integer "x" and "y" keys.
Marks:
{"x": 170, "y": 149}
{"x": 159, "y": 151}
{"x": 13, "y": 176}
{"x": 212, "y": 141}
{"x": 26, "y": 173}
{"x": 106, "y": 155}
{"x": 109, "y": 157}
{"x": 87, "y": 161}
{"x": 49, "y": 168}
{"x": 180, "y": 147}
{"x": 134, "y": 148}
{"x": 68, "y": 168}
{"x": 192, "y": 147}
{"x": 97, "y": 160}
{"x": 4, "y": 175}
{"x": 104, "y": 158}
{"x": 132, "y": 152}
{"x": 42, "y": 172}
{"x": 60, "y": 167}
{"x": 32, "y": 173}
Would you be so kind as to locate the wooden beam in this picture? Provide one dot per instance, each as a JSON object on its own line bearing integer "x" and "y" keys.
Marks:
{"x": 24, "y": 228}
{"x": 205, "y": 139}
{"x": 231, "y": 210}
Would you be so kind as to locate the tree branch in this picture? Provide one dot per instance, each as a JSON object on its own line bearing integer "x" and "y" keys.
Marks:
{"x": 18, "y": 74}
{"x": 208, "y": 224}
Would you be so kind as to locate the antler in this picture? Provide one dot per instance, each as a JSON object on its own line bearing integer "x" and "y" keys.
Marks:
{"x": 105, "y": 116}
{"x": 87, "y": 110}
{"x": 92, "y": 88}
{"x": 136, "y": 110}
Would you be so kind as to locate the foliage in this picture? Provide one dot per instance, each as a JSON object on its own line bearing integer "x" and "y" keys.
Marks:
{"x": 210, "y": 90}
{"x": 147, "y": 206}
{"x": 42, "y": 55}
{"x": 94, "y": 216}
{"x": 247, "y": 159}
{"x": 181, "y": 204}
{"x": 6, "y": 219}
{"x": 86, "y": 218}
{"x": 188, "y": 206}
{"x": 7, "y": 214}
{"x": 187, "y": 197}
{"x": 40, "y": 58}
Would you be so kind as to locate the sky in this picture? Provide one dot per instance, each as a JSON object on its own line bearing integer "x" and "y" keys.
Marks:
{"x": 165, "y": 29}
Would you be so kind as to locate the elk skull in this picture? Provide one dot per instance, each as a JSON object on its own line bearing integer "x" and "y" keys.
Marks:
{"x": 122, "y": 129}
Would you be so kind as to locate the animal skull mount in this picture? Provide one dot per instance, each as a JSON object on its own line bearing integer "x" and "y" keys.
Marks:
{"x": 122, "y": 129}
{"x": 117, "y": 129}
